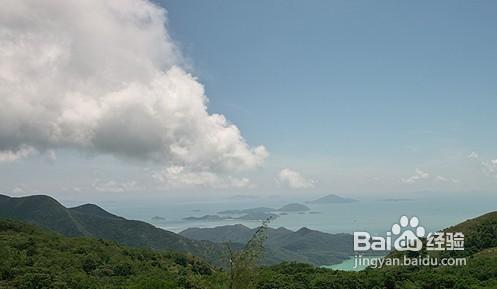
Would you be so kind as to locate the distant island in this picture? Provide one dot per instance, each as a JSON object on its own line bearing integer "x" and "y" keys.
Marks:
{"x": 258, "y": 216}
{"x": 248, "y": 211}
{"x": 158, "y": 219}
{"x": 207, "y": 218}
{"x": 332, "y": 199}
{"x": 251, "y": 216}
{"x": 294, "y": 207}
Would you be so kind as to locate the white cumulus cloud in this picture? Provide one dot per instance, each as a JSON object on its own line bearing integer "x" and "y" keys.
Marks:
{"x": 473, "y": 156}
{"x": 490, "y": 167}
{"x": 113, "y": 186}
{"x": 14, "y": 155}
{"x": 179, "y": 176}
{"x": 104, "y": 76}
{"x": 294, "y": 179}
{"x": 420, "y": 175}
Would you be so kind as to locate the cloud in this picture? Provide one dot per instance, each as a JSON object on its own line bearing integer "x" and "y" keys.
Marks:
{"x": 293, "y": 179}
{"x": 442, "y": 179}
{"x": 23, "y": 189}
{"x": 473, "y": 156}
{"x": 105, "y": 77}
{"x": 14, "y": 155}
{"x": 113, "y": 186}
{"x": 490, "y": 167}
{"x": 18, "y": 191}
{"x": 420, "y": 175}
{"x": 178, "y": 176}
{"x": 447, "y": 180}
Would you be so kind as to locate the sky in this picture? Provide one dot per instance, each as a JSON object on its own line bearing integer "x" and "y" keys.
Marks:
{"x": 211, "y": 99}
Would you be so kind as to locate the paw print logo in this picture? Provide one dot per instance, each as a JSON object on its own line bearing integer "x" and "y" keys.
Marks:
{"x": 409, "y": 233}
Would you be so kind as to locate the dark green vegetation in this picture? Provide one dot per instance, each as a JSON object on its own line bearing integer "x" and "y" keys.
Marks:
{"x": 304, "y": 245}
{"x": 33, "y": 258}
{"x": 480, "y": 271}
{"x": 481, "y": 233}
{"x": 92, "y": 221}
{"x": 332, "y": 199}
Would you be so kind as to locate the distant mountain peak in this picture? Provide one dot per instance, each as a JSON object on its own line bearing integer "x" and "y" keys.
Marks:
{"x": 303, "y": 230}
{"x": 92, "y": 209}
{"x": 332, "y": 199}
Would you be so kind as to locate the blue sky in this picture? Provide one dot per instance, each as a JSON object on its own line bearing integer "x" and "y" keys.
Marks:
{"x": 358, "y": 79}
{"x": 390, "y": 83}
{"x": 349, "y": 97}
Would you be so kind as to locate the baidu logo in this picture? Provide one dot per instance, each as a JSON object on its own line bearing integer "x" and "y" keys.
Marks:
{"x": 407, "y": 235}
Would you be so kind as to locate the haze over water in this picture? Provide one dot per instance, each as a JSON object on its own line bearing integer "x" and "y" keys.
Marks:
{"x": 374, "y": 216}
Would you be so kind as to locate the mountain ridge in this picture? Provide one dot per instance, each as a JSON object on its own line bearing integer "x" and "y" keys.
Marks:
{"x": 305, "y": 245}
{"x": 92, "y": 221}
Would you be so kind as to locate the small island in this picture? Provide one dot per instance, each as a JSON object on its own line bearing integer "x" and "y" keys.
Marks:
{"x": 258, "y": 216}
{"x": 247, "y": 211}
{"x": 206, "y": 218}
{"x": 332, "y": 199}
{"x": 294, "y": 207}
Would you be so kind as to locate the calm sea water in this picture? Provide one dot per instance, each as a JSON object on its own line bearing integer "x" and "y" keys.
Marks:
{"x": 373, "y": 216}
{"x": 350, "y": 264}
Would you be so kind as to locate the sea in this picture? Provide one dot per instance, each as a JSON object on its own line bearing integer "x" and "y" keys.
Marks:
{"x": 375, "y": 216}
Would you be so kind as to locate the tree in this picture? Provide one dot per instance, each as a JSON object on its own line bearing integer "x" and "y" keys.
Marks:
{"x": 243, "y": 263}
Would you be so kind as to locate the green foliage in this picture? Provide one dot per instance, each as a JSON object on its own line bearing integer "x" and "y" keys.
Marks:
{"x": 304, "y": 245}
{"x": 243, "y": 263}
{"x": 481, "y": 272}
{"x": 92, "y": 221}
{"x": 32, "y": 258}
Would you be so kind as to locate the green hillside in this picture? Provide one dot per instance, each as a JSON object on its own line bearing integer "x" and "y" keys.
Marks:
{"x": 34, "y": 258}
{"x": 479, "y": 272}
{"x": 89, "y": 220}
{"x": 92, "y": 221}
{"x": 304, "y": 245}
{"x": 480, "y": 233}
